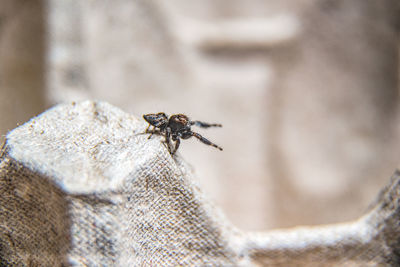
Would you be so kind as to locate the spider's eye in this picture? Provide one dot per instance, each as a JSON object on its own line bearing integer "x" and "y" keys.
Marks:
{"x": 181, "y": 119}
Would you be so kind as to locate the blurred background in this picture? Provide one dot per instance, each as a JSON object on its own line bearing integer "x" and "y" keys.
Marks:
{"x": 307, "y": 90}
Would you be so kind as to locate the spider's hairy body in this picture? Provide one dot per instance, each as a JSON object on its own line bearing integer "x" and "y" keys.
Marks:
{"x": 177, "y": 127}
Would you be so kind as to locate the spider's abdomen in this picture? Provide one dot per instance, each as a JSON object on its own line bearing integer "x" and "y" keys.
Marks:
{"x": 159, "y": 120}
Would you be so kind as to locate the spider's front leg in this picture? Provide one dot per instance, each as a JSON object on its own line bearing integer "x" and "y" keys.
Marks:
{"x": 151, "y": 131}
{"x": 168, "y": 139}
{"x": 205, "y": 124}
{"x": 204, "y": 140}
{"x": 177, "y": 143}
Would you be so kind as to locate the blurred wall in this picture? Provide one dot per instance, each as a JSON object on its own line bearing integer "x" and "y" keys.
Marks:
{"x": 335, "y": 111}
{"x": 307, "y": 91}
{"x": 22, "y": 59}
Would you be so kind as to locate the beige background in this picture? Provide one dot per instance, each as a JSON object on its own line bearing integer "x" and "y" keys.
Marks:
{"x": 307, "y": 90}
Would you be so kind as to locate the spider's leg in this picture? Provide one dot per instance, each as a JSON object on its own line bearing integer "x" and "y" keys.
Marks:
{"x": 177, "y": 143}
{"x": 205, "y": 124}
{"x": 204, "y": 140}
{"x": 168, "y": 139}
{"x": 147, "y": 129}
{"x": 152, "y": 131}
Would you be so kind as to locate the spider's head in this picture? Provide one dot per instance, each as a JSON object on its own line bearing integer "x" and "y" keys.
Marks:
{"x": 159, "y": 120}
{"x": 178, "y": 122}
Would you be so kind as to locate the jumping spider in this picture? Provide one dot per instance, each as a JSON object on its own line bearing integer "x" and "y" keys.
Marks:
{"x": 176, "y": 127}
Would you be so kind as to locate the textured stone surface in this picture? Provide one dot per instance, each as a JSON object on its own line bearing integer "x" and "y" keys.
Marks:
{"x": 82, "y": 185}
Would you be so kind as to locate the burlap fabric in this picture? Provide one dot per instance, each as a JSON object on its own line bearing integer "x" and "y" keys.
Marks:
{"x": 82, "y": 185}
